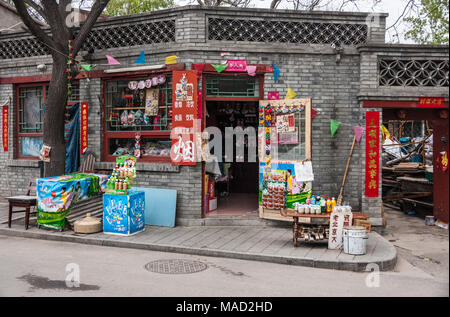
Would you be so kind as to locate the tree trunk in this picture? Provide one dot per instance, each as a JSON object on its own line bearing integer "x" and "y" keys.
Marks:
{"x": 54, "y": 117}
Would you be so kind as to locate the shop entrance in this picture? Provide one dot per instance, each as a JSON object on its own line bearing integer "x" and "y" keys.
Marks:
{"x": 235, "y": 189}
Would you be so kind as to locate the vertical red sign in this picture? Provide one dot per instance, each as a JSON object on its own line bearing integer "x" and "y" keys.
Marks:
{"x": 184, "y": 116}
{"x": 5, "y": 128}
{"x": 84, "y": 127}
{"x": 372, "y": 153}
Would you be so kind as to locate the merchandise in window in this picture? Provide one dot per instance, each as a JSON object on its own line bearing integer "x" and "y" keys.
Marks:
{"x": 149, "y": 147}
{"x": 136, "y": 105}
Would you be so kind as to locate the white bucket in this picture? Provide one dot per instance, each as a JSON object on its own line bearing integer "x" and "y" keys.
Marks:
{"x": 355, "y": 238}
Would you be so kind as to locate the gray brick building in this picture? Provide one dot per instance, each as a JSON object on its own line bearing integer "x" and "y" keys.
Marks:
{"x": 331, "y": 57}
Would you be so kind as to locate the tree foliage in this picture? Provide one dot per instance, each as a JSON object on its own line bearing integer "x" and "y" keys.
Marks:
{"x": 126, "y": 7}
{"x": 430, "y": 26}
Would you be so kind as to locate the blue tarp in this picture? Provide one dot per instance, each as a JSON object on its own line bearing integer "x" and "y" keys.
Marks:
{"x": 72, "y": 136}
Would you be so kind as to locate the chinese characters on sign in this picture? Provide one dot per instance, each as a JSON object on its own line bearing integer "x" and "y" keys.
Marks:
{"x": 184, "y": 115}
{"x": 338, "y": 220}
{"x": 372, "y": 153}
{"x": 431, "y": 102}
{"x": 5, "y": 128}
{"x": 84, "y": 127}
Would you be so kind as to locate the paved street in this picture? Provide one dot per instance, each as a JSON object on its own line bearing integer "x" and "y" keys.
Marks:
{"x": 32, "y": 267}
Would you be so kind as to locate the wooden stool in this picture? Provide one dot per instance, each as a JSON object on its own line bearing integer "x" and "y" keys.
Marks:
{"x": 25, "y": 201}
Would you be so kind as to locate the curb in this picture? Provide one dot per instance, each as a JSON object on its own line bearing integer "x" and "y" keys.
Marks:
{"x": 385, "y": 263}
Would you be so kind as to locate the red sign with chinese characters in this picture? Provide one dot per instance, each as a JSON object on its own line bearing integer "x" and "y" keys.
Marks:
{"x": 5, "y": 128}
{"x": 431, "y": 102}
{"x": 84, "y": 127}
{"x": 184, "y": 117}
{"x": 372, "y": 153}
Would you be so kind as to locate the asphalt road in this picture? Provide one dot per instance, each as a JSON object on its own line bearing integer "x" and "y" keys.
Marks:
{"x": 30, "y": 267}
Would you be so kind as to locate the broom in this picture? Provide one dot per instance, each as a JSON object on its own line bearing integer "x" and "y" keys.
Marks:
{"x": 339, "y": 200}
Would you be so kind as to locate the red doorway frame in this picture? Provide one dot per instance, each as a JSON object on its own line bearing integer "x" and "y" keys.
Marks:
{"x": 439, "y": 116}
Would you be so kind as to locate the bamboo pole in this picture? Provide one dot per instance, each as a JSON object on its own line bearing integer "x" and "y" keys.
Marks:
{"x": 339, "y": 200}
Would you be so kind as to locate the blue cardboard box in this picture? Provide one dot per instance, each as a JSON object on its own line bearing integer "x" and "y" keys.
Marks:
{"x": 124, "y": 214}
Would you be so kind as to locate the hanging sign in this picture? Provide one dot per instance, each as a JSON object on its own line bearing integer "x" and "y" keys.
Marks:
{"x": 5, "y": 128}
{"x": 431, "y": 102}
{"x": 184, "y": 114}
{"x": 372, "y": 153}
{"x": 84, "y": 127}
{"x": 236, "y": 65}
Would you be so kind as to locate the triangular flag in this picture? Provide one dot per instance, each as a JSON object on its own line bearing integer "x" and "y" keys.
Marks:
{"x": 199, "y": 68}
{"x": 251, "y": 70}
{"x": 219, "y": 67}
{"x": 87, "y": 67}
{"x": 171, "y": 60}
{"x": 313, "y": 113}
{"x": 141, "y": 59}
{"x": 290, "y": 94}
{"x": 334, "y": 125}
{"x": 358, "y": 132}
{"x": 276, "y": 73}
{"x": 112, "y": 60}
{"x": 385, "y": 132}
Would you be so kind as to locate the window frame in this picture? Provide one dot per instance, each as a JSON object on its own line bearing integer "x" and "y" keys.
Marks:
{"x": 18, "y": 135}
{"x": 109, "y": 135}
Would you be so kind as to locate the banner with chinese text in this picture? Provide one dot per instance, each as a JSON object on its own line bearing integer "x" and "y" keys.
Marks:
{"x": 431, "y": 102}
{"x": 5, "y": 128}
{"x": 184, "y": 117}
{"x": 84, "y": 127}
{"x": 372, "y": 153}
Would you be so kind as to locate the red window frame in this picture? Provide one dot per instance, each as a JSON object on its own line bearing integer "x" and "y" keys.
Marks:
{"x": 19, "y": 134}
{"x": 108, "y": 135}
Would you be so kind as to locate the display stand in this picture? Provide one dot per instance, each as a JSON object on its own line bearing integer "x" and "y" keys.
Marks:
{"x": 123, "y": 207}
{"x": 305, "y": 225}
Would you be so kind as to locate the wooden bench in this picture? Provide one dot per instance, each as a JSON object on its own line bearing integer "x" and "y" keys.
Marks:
{"x": 27, "y": 201}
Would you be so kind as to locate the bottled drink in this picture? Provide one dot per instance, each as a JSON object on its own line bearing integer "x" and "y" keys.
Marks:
{"x": 323, "y": 205}
{"x": 333, "y": 203}
{"x": 318, "y": 200}
{"x": 308, "y": 201}
{"x": 313, "y": 200}
{"x": 328, "y": 205}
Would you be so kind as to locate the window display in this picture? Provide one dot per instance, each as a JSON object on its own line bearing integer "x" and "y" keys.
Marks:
{"x": 139, "y": 104}
{"x": 148, "y": 147}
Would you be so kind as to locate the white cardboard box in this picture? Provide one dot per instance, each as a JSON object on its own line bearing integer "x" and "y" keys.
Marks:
{"x": 213, "y": 204}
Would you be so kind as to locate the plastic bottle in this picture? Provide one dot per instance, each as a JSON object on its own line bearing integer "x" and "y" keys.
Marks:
{"x": 328, "y": 205}
{"x": 318, "y": 200}
{"x": 323, "y": 205}
{"x": 313, "y": 200}
{"x": 308, "y": 201}
{"x": 333, "y": 203}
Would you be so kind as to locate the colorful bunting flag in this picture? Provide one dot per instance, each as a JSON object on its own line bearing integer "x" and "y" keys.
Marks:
{"x": 219, "y": 67}
{"x": 358, "y": 132}
{"x": 314, "y": 112}
{"x": 171, "y": 60}
{"x": 276, "y": 73}
{"x": 251, "y": 70}
{"x": 141, "y": 59}
{"x": 290, "y": 94}
{"x": 334, "y": 125}
{"x": 87, "y": 67}
{"x": 199, "y": 68}
{"x": 112, "y": 60}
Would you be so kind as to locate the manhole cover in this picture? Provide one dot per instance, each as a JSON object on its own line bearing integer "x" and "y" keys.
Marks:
{"x": 175, "y": 266}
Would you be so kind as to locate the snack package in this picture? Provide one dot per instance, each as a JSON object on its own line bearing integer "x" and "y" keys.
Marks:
{"x": 124, "y": 118}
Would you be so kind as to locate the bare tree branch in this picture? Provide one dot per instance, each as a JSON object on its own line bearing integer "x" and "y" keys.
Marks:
{"x": 31, "y": 24}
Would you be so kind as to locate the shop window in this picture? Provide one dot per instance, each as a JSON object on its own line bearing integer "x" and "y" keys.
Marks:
{"x": 138, "y": 106}
{"x": 236, "y": 86}
{"x": 31, "y": 101}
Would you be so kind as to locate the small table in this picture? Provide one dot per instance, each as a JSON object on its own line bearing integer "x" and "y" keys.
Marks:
{"x": 312, "y": 219}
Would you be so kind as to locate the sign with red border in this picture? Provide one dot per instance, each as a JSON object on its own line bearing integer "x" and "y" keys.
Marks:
{"x": 184, "y": 116}
{"x": 372, "y": 153}
{"x": 5, "y": 134}
{"x": 431, "y": 102}
{"x": 84, "y": 127}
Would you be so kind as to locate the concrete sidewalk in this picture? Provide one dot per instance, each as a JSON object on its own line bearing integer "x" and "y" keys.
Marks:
{"x": 269, "y": 244}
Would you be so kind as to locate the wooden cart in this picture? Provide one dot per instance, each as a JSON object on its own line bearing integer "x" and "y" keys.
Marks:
{"x": 306, "y": 225}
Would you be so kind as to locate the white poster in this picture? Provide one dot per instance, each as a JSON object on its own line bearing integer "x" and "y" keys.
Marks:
{"x": 304, "y": 171}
